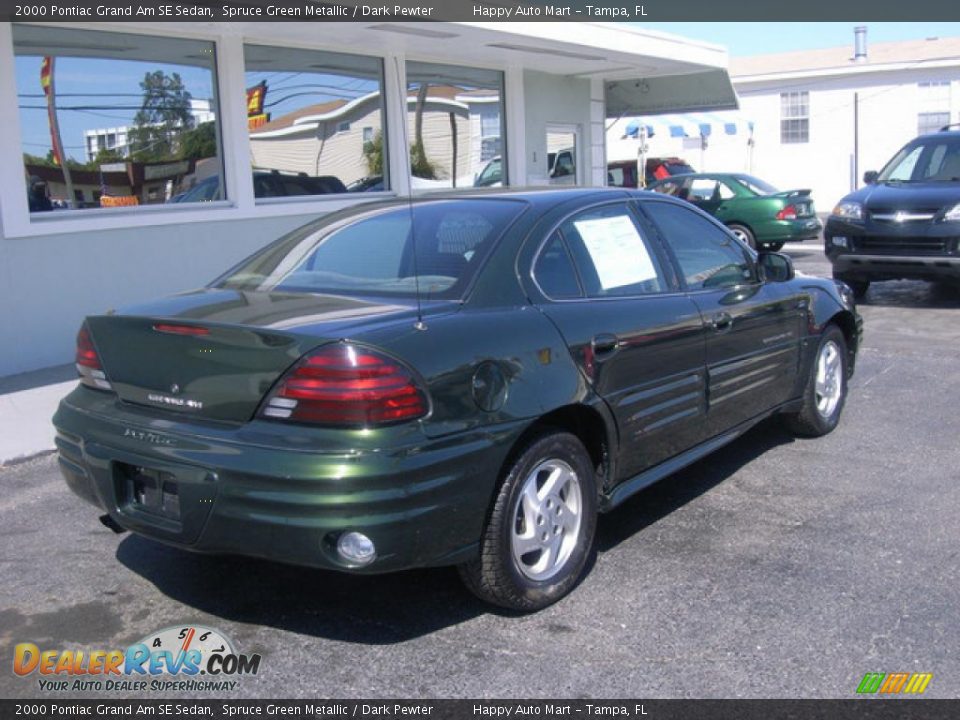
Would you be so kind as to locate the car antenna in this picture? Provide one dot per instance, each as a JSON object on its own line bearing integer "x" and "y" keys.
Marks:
{"x": 419, "y": 324}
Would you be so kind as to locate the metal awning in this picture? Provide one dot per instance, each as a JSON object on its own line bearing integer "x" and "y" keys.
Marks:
{"x": 691, "y": 125}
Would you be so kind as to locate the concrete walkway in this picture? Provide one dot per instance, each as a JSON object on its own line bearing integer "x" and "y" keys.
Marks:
{"x": 27, "y": 402}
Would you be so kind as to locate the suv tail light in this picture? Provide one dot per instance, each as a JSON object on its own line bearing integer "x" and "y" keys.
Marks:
{"x": 346, "y": 385}
{"x": 788, "y": 213}
{"x": 88, "y": 362}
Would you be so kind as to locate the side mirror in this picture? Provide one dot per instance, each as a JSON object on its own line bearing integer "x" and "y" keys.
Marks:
{"x": 776, "y": 267}
{"x": 870, "y": 177}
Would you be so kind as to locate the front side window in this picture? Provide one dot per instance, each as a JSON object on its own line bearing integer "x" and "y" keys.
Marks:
{"x": 316, "y": 122}
{"x": 434, "y": 248}
{"x": 455, "y": 122}
{"x": 112, "y": 119}
{"x": 709, "y": 257}
{"x": 794, "y": 117}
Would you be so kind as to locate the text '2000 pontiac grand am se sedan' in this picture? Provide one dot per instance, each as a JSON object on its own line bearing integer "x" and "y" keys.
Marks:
{"x": 465, "y": 379}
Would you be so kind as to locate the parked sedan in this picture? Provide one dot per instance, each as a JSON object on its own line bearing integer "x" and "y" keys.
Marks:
{"x": 754, "y": 210}
{"x": 465, "y": 379}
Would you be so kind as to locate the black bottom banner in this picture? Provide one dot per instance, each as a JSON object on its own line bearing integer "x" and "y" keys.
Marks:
{"x": 878, "y": 709}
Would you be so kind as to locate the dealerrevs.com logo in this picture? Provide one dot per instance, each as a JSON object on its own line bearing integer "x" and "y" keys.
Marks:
{"x": 179, "y": 658}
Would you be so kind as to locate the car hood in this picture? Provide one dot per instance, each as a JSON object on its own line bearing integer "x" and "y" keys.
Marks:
{"x": 908, "y": 196}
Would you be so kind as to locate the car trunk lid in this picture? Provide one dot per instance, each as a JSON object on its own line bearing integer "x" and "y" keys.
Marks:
{"x": 800, "y": 199}
{"x": 215, "y": 354}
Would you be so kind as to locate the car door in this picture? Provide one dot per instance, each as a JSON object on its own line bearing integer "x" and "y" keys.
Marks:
{"x": 754, "y": 329}
{"x": 638, "y": 341}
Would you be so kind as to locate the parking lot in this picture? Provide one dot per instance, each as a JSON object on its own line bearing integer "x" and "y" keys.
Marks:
{"x": 775, "y": 568}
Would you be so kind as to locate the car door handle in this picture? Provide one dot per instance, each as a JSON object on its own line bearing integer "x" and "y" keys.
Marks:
{"x": 721, "y": 322}
{"x": 604, "y": 345}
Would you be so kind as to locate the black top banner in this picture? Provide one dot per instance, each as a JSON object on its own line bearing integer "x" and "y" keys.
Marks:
{"x": 478, "y": 10}
{"x": 892, "y": 709}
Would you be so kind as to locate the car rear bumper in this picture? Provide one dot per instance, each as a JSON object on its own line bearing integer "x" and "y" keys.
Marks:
{"x": 790, "y": 230}
{"x": 226, "y": 490}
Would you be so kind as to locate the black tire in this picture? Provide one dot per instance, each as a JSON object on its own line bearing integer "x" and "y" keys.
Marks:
{"x": 744, "y": 233}
{"x": 817, "y": 416}
{"x": 773, "y": 247}
{"x": 496, "y": 575}
{"x": 858, "y": 286}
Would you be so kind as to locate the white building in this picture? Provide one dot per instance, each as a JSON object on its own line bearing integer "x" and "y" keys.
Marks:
{"x": 815, "y": 119}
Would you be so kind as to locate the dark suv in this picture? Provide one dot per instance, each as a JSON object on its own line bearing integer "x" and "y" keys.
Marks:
{"x": 906, "y": 222}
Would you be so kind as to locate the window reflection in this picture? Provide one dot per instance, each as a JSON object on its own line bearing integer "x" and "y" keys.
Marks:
{"x": 315, "y": 121}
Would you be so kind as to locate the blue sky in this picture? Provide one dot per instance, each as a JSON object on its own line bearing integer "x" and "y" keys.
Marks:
{"x": 761, "y": 38}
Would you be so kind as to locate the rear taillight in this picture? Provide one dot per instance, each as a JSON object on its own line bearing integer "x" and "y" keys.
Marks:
{"x": 788, "y": 213}
{"x": 88, "y": 362}
{"x": 346, "y": 385}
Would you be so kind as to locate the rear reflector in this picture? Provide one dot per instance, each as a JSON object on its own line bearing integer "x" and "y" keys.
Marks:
{"x": 346, "y": 386}
{"x": 88, "y": 362}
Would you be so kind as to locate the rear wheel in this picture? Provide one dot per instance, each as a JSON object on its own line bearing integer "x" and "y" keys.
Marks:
{"x": 826, "y": 389}
{"x": 858, "y": 286}
{"x": 743, "y": 233}
{"x": 540, "y": 532}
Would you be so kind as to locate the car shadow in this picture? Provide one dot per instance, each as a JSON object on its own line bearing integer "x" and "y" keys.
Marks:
{"x": 374, "y": 610}
{"x": 397, "y": 607}
{"x": 912, "y": 294}
{"x": 661, "y": 499}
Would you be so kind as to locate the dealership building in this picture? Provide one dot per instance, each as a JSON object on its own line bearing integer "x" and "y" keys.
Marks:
{"x": 304, "y": 118}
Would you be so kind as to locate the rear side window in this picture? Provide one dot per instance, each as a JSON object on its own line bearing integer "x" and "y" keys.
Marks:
{"x": 554, "y": 271}
{"x": 610, "y": 253}
{"x": 709, "y": 257}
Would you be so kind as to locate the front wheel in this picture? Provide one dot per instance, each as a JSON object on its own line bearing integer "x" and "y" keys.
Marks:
{"x": 743, "y": 233}
{"x": 826, "y": 390}
{"x": 539, "y": 535}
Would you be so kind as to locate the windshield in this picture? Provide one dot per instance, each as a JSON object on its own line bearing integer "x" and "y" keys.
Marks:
{"x": 756, "y": 185}
{"x": 372, "y": 252}
{"x": 932, "y": 159}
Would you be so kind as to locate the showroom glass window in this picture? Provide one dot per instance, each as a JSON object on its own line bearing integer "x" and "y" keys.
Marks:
{"x": 455, "y": 123}
{"x": 316, "y": 122}
{"x": 794, "y": 117}
{"x": 114, "y": 120}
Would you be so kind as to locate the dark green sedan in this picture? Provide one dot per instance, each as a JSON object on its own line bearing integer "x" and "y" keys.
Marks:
{"x": 755, "y": 211}
{"x": 463, "y": 380}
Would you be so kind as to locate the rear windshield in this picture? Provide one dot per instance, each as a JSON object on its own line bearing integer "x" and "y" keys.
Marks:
{"x": 374, "y": 252}
{"x": 932, "y": 159}
{"x": 756, "y": 185}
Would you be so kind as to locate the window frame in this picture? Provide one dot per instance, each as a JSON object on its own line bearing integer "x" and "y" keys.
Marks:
{"x": 801, "y": 116}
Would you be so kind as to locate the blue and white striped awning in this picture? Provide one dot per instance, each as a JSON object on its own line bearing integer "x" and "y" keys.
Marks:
{"x": 691, "y": 125}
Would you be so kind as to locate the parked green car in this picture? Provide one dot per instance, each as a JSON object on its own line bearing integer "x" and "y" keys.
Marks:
{"x": 466, "y": 379}
{"x": 754, "y": 210}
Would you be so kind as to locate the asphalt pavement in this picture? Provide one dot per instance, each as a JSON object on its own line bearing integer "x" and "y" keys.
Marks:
{"x": 775, "y": 568}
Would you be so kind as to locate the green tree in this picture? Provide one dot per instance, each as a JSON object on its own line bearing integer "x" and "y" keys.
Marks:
{"x": 163, "y": 117}
{"x": 199, "y": 143}
{"x": 419, "y": 165}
